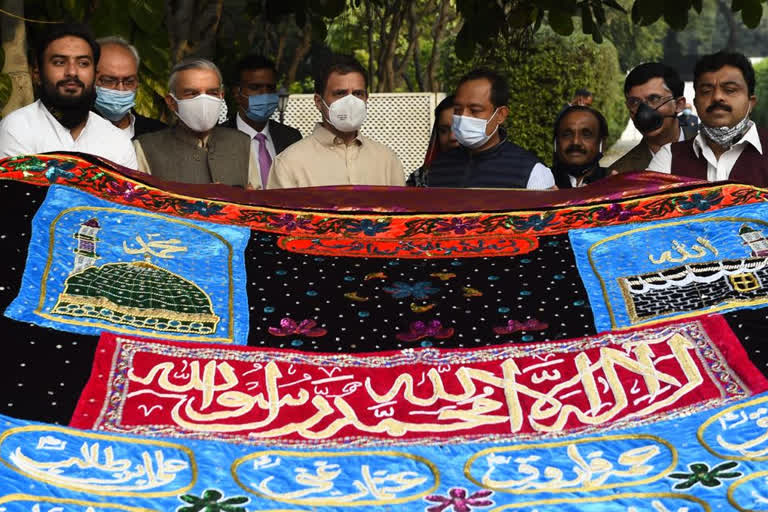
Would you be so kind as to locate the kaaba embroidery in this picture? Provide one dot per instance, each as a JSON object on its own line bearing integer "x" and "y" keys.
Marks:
{"x": 715, "y": 261}
{"x": 94, "y": 266}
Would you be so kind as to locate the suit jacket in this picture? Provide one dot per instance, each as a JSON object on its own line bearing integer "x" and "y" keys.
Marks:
{"x": 282, "y": 134}
{"x": 638, "y": 158}
{"x": 144, "y": 125}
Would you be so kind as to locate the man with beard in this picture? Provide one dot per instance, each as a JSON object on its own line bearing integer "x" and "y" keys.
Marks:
{"x": 654, "y": 96}
{"x": 580, "y": 133}
{"x": 729, "y": 145}
{"x": 61, "y": 120}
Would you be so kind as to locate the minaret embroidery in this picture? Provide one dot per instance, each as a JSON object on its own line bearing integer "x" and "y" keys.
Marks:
{"x": 85, "y": 252}
{"x": 755, "y": 239}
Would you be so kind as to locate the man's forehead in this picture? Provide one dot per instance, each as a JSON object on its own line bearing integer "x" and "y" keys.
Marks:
{"x": 578, "y": 119}
{"x": 352, "y": 80}
{"x": 114, "y": 55}
{"x": 69, "y": 45}
{"x": 724, "y": 74}
{"x": 473, "y": 91}
{"x": 198, "y": 78}
{"x": 259, "y": 75}
{"x": 655, "y": 85}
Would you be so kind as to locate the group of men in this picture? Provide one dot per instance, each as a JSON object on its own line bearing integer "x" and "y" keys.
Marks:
{"x": 87, "y": 94}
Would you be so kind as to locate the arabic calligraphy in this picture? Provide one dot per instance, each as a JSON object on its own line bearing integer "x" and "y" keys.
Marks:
{"x": 582, "y": 465}
{"x": 98, "y": 464}
{"x": 739, "y": 432}
{"x": 699, "y": 251}
{"x": 156, "y": 248}
{"x": 334, "y": 478}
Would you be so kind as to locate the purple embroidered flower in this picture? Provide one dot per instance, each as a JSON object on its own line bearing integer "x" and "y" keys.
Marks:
{"x": 420, "y": 330}
{"x": 57, "y": 169}
{"x": 367, "y": 227}
{"x": 288, "y": 326}
{"x": 458, "y": 225}
{"x": 421, "y": 290}
{"x": 616, "y": 211}
{"x": 699, "y": 202}
{"x": 515, "y": 325}
{"x": 201, "y": 208}
{"x": 125, "y": 189}
{"x": 290, "y": 222}
{"x": 459, "y": 500}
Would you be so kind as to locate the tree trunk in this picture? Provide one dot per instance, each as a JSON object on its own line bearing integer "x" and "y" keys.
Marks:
{"x": 438, "y": 31}
{"x": 300, "y": 53}
{"x": 14, "y": 35}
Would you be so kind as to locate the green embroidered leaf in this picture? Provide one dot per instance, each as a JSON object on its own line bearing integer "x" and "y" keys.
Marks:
{"x": 684, "y": 485}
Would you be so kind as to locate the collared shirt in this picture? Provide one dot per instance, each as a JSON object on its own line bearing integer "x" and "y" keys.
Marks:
{"x": 717, "y": 169}
{"x": 33, "y": 129}
{"x": 254, "y": 181}
{"x": 251, "y": 132}
{"x": 680, "y": 138}
{"x": 322, "y": 159}
{"x": 130, "y": 130}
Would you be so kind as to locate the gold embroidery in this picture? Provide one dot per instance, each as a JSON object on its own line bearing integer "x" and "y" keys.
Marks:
{"x": 612, "y": 497}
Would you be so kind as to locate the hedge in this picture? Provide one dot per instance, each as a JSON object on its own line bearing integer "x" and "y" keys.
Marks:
{"x": 760, "y": 114}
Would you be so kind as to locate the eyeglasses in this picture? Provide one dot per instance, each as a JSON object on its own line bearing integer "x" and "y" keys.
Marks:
{"x": 111, "y": 82}
{"x": 653, "y": 101}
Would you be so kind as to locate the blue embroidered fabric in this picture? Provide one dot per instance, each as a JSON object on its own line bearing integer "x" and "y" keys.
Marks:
{"x": 96, "y": 266}
{"x": 635, "y": 274}
{"x": 711, "y": 460}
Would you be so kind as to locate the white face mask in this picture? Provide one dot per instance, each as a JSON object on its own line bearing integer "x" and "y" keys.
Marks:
{"x": 347, "y": 114}
{"x": 470, "y": 131}
{"x": 200, "y": 113}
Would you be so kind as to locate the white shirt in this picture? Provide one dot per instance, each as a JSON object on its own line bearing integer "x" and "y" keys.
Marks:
{"x": 251, "y": 132}
{"x": 130, "y": 130}
{"x": 541, "y": 178}
{"x": 32, "y": 129}
{"x": 717, "y": 169}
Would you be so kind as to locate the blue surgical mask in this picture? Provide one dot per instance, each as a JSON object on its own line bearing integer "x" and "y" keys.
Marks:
{"x": 261, "y": 106}
{"x": 114, "y": 104}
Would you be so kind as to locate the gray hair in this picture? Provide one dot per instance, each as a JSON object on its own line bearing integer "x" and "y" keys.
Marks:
{"x": 120, "y": 41}
{"x": 191, "y": 63}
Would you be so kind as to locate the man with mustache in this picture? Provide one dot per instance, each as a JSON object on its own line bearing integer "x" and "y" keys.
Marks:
{"x": 729, "y": 144}
{"x": 654, "y": 97}
{"x": 61, "y": 120}
{"x": 580, "y": 133}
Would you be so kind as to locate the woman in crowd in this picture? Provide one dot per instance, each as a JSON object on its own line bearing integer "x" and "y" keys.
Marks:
{"x": 442, "y": 139}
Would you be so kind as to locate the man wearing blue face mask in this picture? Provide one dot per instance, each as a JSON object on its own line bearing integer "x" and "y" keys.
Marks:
{"x": 116, "y": 84}
{"x": 256, "y": 96}
{"x": 485, "y": 158}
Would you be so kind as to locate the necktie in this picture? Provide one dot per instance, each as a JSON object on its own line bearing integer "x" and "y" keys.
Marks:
{"x": 265, "y": 161}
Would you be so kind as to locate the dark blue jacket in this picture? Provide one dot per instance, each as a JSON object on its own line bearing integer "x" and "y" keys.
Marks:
{"x": 505, "y": 165}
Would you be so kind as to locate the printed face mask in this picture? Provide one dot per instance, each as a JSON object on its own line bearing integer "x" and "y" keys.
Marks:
{"x": 261, "y": 106}
{"x": 470, "y": 131}
{"x": 723, "y": 135}
{"x": 347, "y": 114}
{"x": 114, "y": 104}
{"x": 200, "y": 113}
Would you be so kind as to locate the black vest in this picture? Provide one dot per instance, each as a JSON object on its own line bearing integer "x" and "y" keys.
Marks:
{"x": 505, "y": 165}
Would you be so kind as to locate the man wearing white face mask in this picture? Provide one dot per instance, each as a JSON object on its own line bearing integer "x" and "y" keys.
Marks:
{"x": 117, "y": 81}
{"x": 196, "y": 150}
{"x": 335, "y": 153}
{"x": 485, "y": 158}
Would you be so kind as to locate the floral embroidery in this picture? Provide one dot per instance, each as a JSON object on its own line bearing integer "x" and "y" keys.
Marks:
{"x": 420, "y": 330}
{"x": 420, "y": 290}
{"x": 457, "y": 225}
{"x": 459, "y": 500}
{"x": 701, "y": 474}
{"x": 125, "y": 189}
{"x": 700, "y": 202}
{"x": 289, "y": 222}
{"x": 515, "y": 325}
{"x": 535, "y": 222}
{"x": 201, "y": 208}
{"x": 289, "y": 326}
{"x": 209, "y": 502}
{"x": 616, "y": 211}
{"x": 57, "y": 169}
{"x": 368, "y": 227}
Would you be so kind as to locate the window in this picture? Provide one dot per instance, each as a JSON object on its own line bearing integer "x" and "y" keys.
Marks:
{"x": 744, "y": 282}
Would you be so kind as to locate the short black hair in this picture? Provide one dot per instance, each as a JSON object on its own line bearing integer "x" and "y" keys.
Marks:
{"x": 499, "y": 87}
{"x": 644, "y": 72}
{"x": 602, "y": 123}
{"x": 338, "y": 63}
{"x": 253, "y": 62}
{"x": 715, "y": 61}
{"x": 583, "y": 93}
{"x": 66, "y": 29}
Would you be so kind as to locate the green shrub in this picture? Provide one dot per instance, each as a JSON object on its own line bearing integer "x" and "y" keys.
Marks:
{"x": 543, "y": 79}
{"x": 760, "y": 114}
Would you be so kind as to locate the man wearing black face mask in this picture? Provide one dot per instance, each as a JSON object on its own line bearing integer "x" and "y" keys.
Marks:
{"x": 580, "y": 133}
{"x": 61, "y": 119}
{"x": 729, "y": 144}
{"x": 654, "y": 96}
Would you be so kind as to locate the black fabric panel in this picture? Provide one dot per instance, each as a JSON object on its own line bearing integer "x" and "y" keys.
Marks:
{"x": 751, "y": 327}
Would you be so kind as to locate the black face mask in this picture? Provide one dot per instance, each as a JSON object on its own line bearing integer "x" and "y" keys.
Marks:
{"x": 648, "y": 119}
